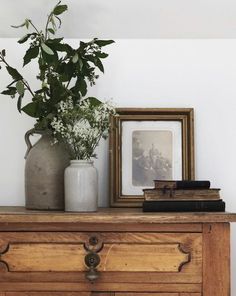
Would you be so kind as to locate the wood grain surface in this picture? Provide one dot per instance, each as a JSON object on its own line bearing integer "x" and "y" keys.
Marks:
{"x": 46, "y": 294}
{"x": 216, "y": 259}
{"x": 101, "y": 287}
{"x": 107, "y": 215}
{"x": 94, "y": 294}
{"x": 156, "y": 294}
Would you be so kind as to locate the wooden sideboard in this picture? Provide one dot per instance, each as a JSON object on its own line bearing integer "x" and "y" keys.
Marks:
{"x": 114, "y": 252}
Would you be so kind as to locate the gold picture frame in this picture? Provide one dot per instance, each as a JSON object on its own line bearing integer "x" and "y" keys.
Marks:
{"x": 175, "y": 126}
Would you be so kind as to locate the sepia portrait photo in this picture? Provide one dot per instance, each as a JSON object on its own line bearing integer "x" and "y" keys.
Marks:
{"x": 151, "y": 157}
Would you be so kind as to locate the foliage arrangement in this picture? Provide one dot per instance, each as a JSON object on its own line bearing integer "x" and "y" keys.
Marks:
{"x": 81, "y": 127}
{"x": 64, "y": 72}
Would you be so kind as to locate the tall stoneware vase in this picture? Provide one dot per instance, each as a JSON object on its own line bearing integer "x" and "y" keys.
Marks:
{"x": 81, "y": 186}
{"x": 44, "y": 172}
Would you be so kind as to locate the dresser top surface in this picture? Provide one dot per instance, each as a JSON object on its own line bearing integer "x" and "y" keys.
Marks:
{"x": 110, "y": 215}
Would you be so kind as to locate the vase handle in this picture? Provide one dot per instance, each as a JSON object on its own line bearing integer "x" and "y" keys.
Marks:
{"x": 27, "y": 140}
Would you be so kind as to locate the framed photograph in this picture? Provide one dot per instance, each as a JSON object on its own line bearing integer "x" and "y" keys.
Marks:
{"x": 146, "y": 145}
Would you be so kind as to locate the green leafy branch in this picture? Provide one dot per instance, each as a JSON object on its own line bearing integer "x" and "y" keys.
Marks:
{"x": 20, "y": 83}
{"x": 64, "y": 72}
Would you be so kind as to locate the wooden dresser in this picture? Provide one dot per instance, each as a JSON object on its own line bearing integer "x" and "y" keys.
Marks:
{"x": 114, "y": 252}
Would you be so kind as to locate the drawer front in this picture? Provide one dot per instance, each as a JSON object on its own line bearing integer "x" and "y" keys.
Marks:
{"x": 123, "y": 257}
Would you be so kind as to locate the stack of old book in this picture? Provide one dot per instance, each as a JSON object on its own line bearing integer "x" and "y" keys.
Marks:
{"x": 182, "y": 196}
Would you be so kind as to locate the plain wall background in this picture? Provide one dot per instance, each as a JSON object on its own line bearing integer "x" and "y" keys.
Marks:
{"x": 128, "y": 18}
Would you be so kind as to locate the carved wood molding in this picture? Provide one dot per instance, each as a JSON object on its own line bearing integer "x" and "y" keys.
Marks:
{"x": 4, "y": 248}
{"x": 184, "y": 250}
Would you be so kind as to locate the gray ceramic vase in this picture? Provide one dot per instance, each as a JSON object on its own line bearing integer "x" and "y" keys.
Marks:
{"x": 44, "y": 173}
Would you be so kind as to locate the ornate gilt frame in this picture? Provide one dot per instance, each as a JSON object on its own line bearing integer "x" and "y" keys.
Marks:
{"x": 184, "y": 115}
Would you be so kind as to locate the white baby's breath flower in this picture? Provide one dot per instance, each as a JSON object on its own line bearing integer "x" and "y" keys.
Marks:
{"x": 65, "y": 106}
{"x": 81, "y": 126}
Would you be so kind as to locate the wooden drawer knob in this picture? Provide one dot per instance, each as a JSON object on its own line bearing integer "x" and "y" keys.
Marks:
{"x": 92, "y": 260}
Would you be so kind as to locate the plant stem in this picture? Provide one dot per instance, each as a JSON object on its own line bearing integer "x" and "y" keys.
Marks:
{"x": 4, "y": 61}
{"x": 48, "y": 20}
{"x": 96, "y": 142}
{"x": 34, "y": 27}
{"x": 26, "y": 84}
{"x": 68, "y": 83}
{"x": 46, "y": 28}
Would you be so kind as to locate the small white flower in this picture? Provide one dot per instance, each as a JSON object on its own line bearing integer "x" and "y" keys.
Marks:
{"x": 81, "y": 126}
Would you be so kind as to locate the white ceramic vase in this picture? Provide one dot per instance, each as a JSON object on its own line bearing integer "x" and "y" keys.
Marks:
{"x": 81, "y": 187}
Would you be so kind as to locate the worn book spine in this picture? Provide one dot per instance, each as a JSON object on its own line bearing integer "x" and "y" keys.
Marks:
{"x": 181, "y": 194}
{"x": 184, "y": 206}
{"x": 185, "y": 184}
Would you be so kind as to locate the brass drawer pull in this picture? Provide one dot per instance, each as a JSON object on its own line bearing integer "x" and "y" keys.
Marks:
{"x": 94, "y": 244}
{"x": 92, "y": 260}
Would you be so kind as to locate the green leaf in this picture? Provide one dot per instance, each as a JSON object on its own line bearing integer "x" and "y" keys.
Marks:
{"x": 81, "y": 85}
{"x": 19, "y": 26}
{"x": 80, "y": 64}
{"x": 94, "y": 102}
{"x": 14, "y": 73}
{"x": 4, "y": 52}
{"x": 59, "y": 9}
{"x": 20, "y": 87}
{"x": 69, "y": 70}
{"x": 103, "y": 42}
{"x": 75, "y": 58}
{"x": 55, "y": 40}
{"x": 59, "y": 20}
{"x": 50, "y": 30}
{"x": 39, "y": 91}
{"x": 99, "y": 65}
{"x": 14, "y": 81}
{"x": 31, "y": 109}
{"x": 10, "y": 91}
{"x": 52, "y": 21}
{"x": 30, "y": 54}
{"x": 25, "y": 38}
{"x": 47, "y": 49}
{"x": 50, "y": 59}
{"x": 62, "y": 47}
{"x": 102, "y": 55}
{"x": 19, "y": 103}
{"x": 57, "y": 90}
{"x": 27, "y": 23}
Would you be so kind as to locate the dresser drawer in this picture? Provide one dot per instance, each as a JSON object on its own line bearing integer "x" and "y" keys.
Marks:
{"x": 158, "y": 258}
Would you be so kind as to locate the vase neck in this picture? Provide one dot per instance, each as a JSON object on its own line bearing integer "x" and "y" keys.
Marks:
{"x": 46, "y": 132}
{"x": 81, "y": 162}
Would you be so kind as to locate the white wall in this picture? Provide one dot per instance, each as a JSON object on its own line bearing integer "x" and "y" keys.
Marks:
{"x": 148, "y": 73}
{"x": 128, "y": 18}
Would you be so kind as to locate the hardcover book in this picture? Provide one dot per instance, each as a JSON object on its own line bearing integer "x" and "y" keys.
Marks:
{"x": 186, "y": 184}
{"x": 184, "y": 206}
{"x": 181, "y": 194}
